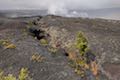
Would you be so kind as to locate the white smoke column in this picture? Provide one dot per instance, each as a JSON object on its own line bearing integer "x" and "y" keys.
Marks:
{"x": 57, "y": 8}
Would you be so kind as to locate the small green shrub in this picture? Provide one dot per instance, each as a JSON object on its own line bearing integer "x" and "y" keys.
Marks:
{"x": 81, "y": 43}
{"x": 79, "y": 63}
{"x": 86, "y": 60}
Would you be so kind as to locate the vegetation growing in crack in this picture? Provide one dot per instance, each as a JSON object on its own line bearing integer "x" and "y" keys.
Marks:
{"x": 86, "y": 59}
{"x": 23, "y": 75}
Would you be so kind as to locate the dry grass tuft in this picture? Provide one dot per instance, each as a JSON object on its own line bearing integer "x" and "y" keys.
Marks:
{"x": 7, "y": 44}
{"x": 37, "y": 58}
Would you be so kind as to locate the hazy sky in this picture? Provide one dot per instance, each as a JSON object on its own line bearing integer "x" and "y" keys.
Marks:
{"x": 59, "y": 4}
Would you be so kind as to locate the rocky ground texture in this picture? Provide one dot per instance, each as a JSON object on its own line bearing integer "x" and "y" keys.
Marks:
{"x": 48, "y": 59}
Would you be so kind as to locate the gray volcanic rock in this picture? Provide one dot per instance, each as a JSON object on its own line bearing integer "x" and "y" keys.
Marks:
{"x": 103, "y": 37}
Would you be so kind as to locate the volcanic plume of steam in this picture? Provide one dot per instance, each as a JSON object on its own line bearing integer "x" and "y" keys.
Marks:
{"x": 57, "y": 9}
{"x": 60, "y": 9}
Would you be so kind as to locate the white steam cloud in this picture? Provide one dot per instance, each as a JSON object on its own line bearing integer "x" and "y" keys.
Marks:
{"x": 60, "y": 7}
{"x": 57, "y": 9}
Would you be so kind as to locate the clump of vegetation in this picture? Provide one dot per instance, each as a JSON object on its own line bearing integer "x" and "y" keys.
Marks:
{"x": 86, "y": 60}
{"x": 53, "y": 50}
{"x": 44, "y": 42}
{"x": 7, "y": 44}
{"x": 37, "y": 58}
{"x": 10, "y": 46}
{"x": 81, "y": 43}
{"x": 23, "y": 75}
{"x": 8, "y": 77}
{"x": 3, "y": 42}
{"x": 80, "y": 66}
